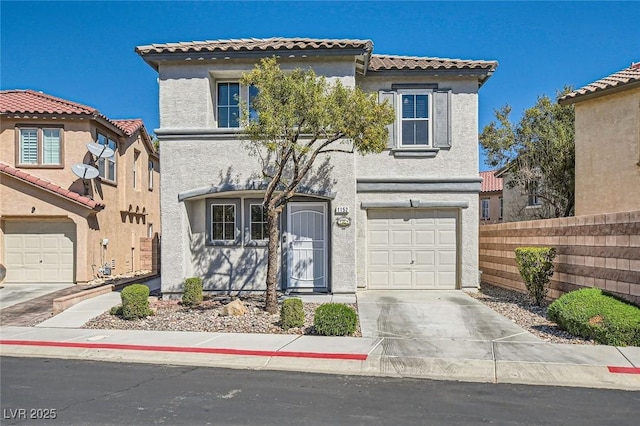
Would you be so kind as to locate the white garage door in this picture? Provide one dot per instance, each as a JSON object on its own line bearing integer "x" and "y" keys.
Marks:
{"x": 39, "y": 252}
{"x": 411, "y": 249}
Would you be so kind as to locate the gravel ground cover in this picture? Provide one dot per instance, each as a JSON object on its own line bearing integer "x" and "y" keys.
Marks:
{"x": 518, "y": 308}
{"x": 172, "y": 316}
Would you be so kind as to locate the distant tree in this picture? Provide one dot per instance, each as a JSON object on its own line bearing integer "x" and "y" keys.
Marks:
{"x": 156, "y": 144}
{"x": 539, "y": 151}
{"x": 296, "y": 117}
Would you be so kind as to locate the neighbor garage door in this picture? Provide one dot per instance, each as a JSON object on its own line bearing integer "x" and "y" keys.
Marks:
{"x": 411, "y": 249}
{"x": 39, "y": 252}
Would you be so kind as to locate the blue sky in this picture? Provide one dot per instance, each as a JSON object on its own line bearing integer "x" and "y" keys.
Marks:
{"x": 84, "y": 51}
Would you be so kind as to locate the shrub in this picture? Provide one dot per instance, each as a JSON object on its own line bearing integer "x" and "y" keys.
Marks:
{"x": 592, "y": 314}
{"x": 135, "y": 302}
{"x": 292, "y": 313}
{"x": 192, "y": 291}
{"x": 536, "y": 268}
{"x": 116, "y": 310}
{"x": 335, "y": 319}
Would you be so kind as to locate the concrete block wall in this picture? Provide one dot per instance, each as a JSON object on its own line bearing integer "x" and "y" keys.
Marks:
{"x": 150, "y": 254}
{"x": 592, "y": 251}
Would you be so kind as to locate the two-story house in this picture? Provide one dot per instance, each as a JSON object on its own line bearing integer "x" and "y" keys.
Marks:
{"x": 491, "y": 200}
{"x": 608, "y": 143}
{"x": 67, "y": 215}
{"x": 406, "y": 218}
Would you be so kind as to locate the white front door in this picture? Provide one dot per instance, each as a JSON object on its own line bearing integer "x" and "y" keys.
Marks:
{"x": 307, "y": 246}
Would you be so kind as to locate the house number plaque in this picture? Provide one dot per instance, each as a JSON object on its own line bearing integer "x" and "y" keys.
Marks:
{"x": 342, "y": 210}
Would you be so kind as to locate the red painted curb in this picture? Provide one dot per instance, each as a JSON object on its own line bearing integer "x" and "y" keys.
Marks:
{"x": 624, "y": 370}
{"x": 217, "y": 351}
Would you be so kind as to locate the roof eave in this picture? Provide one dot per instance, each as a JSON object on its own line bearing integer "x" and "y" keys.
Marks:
{"x": 598, "y": 93}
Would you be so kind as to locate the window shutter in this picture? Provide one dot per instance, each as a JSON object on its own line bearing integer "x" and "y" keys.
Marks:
{"x": 442, "y": 119}
{"x": 391, "y": 128}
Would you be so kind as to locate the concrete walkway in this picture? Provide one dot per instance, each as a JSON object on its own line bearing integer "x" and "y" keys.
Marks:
{"x": 421, "y": 335}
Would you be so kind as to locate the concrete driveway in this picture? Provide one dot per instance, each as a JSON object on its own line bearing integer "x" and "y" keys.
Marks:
{"x": 13, "y": 294}
{"x": 436, "y": 333}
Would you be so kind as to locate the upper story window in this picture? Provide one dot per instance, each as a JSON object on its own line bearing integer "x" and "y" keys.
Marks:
{"x": 484, "y": 208}
{"x": 228, "y": 102}
{"x": 151, "y": 167}
{"x": 136, "y": 156}
{"x": 107, "y": 166}
{"x": 252, "y": 92}
{"x": 39, "y": 146}
{"x": 533, "y": 199}
{"x": 415, "y": 127}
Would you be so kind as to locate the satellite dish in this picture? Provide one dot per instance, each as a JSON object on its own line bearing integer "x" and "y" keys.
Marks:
{"x": 100, "y": 151}
{"x": 85, "y": 171}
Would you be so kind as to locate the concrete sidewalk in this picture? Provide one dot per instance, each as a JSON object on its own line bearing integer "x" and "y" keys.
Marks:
{"x": 423, "y": 354}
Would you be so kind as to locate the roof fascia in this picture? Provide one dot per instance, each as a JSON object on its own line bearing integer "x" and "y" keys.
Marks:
{"x": 601, "y": 92}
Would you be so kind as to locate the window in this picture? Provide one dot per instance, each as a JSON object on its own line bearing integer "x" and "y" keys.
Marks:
{"x": 150, "y": 230}
{"x": 228, "y": 102}
{"x": 258, "y": 218}
{"x": 253, "y": 92}
{"x": 107, "y": 166}
{"x": 534, "y": 199}
{"x": 501, "y": 207}
{"x": 223, "y": 222}
{"x": 484, "y": 208}
{"x": 151, "y": 175}
{"x": 415, "y": 127}
{"x": 40, "y": 146}
{"x": 136, "y": 155}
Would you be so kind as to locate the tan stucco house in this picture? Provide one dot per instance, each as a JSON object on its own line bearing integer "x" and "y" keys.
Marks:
{"x": 608, "y": 143}
{"x": 491, "y": 201}
{"x": 56, "y": 227}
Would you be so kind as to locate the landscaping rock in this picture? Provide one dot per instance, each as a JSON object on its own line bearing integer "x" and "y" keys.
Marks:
{"x": 235, "y": 308}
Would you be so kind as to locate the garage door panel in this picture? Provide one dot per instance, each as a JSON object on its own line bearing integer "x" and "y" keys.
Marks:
{"x": 401, "y": 258}
{"x": 412, "y": 248}
{"x": 39, "y": 251}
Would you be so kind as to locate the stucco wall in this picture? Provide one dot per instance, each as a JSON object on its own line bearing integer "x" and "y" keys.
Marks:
{"x": 608, "y": 153}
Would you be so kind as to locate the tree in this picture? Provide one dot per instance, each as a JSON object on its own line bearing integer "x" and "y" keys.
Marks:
{"x": 539, "y": 151}
{"x": 299, "y": 117}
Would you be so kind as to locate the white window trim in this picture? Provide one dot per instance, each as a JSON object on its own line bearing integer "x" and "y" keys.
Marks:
{"x": 135, "y": 174}
{"x": 106, "y": 161}
{"x": 429, "y": 119}
{"x": 251, "y": 222}
{"x": 151, "y": 168}
{"x": 217, "y": 105}
{"x": 40, "y": 148}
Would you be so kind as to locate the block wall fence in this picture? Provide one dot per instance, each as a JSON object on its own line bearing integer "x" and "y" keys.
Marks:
{"x": 591, "y": 251}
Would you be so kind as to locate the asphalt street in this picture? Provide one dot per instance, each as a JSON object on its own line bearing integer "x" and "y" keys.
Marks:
{"x": 103, "y": 393}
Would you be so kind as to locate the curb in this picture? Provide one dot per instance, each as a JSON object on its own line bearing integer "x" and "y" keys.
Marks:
{"x": 217, "y": 351}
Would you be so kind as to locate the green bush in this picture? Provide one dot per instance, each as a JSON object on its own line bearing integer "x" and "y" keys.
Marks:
{"x": 192, "y": 291}
{"x": 135, "y": 302}
{"x": 292, "y": 313}
{"x": 116, "y": 310}
{"x": 335, "y": 319}
{"x": 536, "y": 268}
{"x": 592, "y": 314}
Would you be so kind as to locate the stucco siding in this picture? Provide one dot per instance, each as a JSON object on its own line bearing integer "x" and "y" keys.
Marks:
{"x": 608, "y": 153}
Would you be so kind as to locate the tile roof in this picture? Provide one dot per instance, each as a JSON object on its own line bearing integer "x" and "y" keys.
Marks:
{"x": 394, "y": 62}
{"x": 32, "y": 102}
{"x": 490, "y": 182}
{"x": 625, "y": 77}
{"x": 51, "y": 187}
{"x": 129, "y": 127}
{"x": 255, "y": 44}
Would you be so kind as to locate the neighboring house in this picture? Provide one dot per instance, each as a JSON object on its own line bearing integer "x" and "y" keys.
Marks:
{"x": 491, "y": 201}
{"x": 520, "y": 203}
{"x": 403, "y": 219}
{"x": 56, "y": 227}
{"x": 608, "y": 143}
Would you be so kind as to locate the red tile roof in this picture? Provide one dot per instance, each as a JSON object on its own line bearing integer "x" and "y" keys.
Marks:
{"x": 32, "y": 102}
{"x": 51, "y": 187}
{"x": 393, "y": 62}
{"x": 129, "y": 127}
{"x": 255, "y": 44}
{"x": 624, "y": 78}
{"x": 490, "y": 182}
